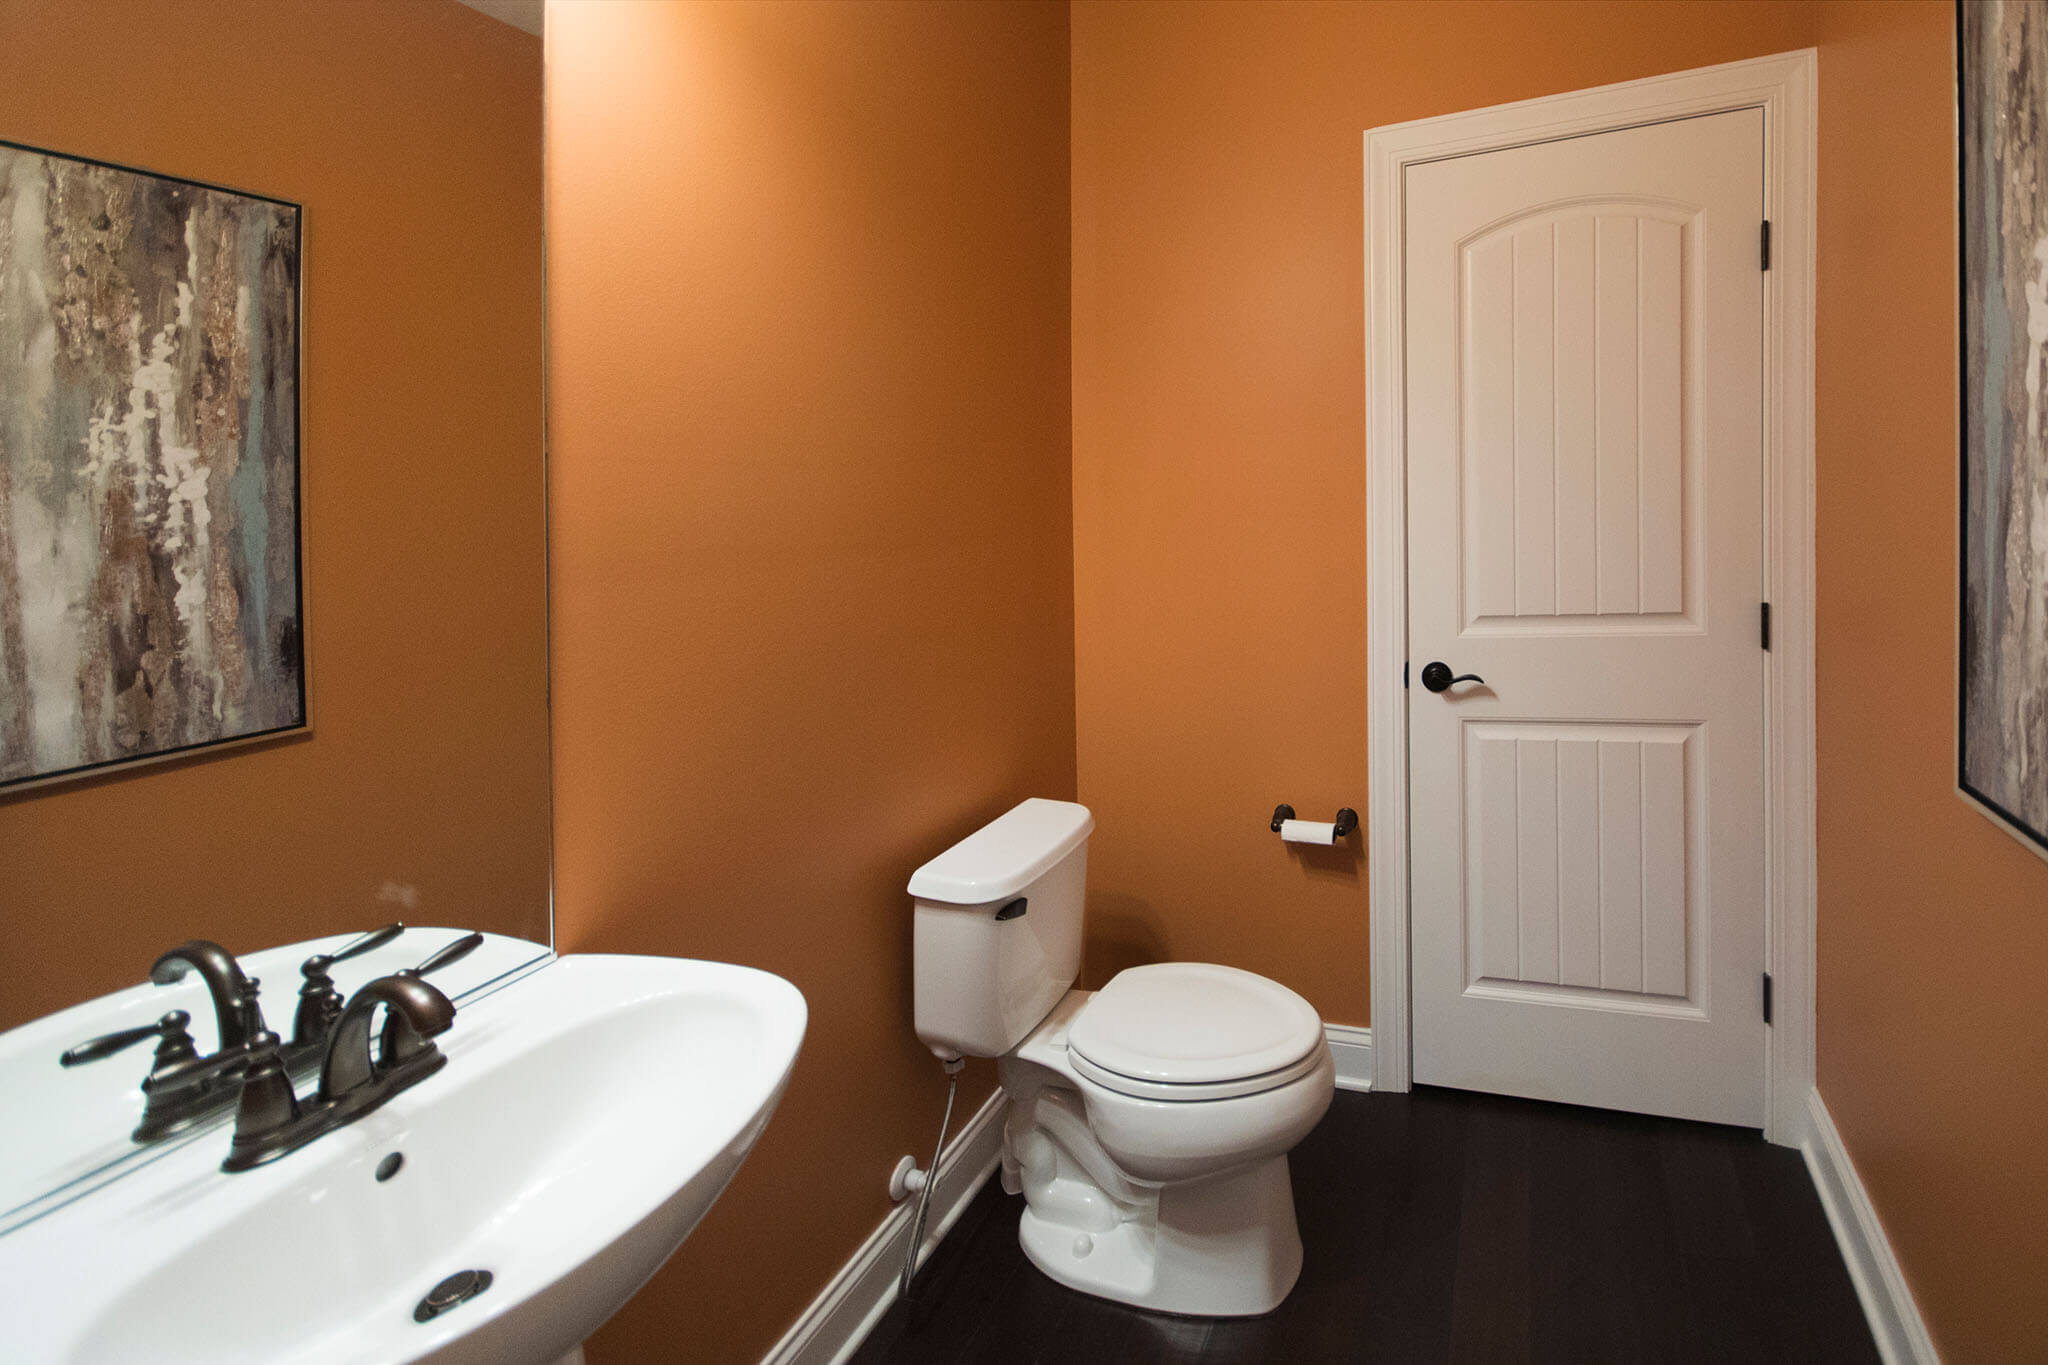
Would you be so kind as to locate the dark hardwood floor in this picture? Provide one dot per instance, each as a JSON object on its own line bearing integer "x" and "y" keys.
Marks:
{"x": 1447, "y": 1226}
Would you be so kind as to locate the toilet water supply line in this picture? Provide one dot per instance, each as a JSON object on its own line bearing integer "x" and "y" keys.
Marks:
{"x": 931, "y": 1177}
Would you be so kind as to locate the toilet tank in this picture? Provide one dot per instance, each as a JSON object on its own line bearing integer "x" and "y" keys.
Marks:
{"x": 996, "y": 937}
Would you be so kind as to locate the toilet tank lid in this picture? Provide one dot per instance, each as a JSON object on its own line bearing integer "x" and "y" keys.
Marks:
{"x": 1004, "y": 856}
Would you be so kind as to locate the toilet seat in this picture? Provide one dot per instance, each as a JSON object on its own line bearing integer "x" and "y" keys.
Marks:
{"x": 1189, "y": 1092}
{"x": 1194, "y": 1031}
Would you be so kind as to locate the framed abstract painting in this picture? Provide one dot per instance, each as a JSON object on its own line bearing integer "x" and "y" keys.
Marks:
{"x": 2002, "y": 732}
{"x": 150, "y": 596}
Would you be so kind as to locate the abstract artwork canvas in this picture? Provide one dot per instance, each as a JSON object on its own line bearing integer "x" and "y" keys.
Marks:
{"x": 149, "y": 466}
{"x": 2002, "y": 53}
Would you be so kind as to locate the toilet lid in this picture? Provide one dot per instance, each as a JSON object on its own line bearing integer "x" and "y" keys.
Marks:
{"x": 1194, "y": 1023}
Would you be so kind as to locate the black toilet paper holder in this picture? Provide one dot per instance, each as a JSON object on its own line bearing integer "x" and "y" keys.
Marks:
{"x": 1347, "y": 818}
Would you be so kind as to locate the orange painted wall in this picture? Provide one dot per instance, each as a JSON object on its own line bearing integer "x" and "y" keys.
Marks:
{"x": 1220, "y": 553}
{"x": 812, "y": 575}
{"x": 1219, "y": 430}
{"x": 1933, "y": 923}
{"x": 410, "y": 131}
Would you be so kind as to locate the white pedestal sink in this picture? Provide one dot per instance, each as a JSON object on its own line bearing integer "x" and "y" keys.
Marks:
{"x": 587, "y": 1118}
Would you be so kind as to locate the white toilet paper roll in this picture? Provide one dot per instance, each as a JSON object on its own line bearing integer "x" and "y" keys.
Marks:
{"x": 1308, "y": 832}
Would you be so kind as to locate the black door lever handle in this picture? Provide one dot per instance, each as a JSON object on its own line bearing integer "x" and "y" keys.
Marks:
{"x": 1436, "y": 676}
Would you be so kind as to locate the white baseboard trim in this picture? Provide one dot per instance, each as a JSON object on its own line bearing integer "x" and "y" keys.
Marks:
{"x": 1895, "y": 1321}
{"x": 1351, "y": 1050}
{"x": 840, "y": 1318}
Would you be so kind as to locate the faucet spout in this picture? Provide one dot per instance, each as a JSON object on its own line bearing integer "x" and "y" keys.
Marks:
{"x": 234, "y": 994}
{"x": 273, "y": 1121}
{"x": 414, "y": 1013}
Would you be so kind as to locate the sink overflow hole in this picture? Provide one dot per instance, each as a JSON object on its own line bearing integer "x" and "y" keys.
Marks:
{"x": 458, "y": 1288}
{"x": 388, "y": 1167}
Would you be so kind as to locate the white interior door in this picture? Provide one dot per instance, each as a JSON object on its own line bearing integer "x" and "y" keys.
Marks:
{"x": 1585, "y": 533}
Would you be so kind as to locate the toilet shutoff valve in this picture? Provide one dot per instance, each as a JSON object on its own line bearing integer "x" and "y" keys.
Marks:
{"x": 907, "y": 1179}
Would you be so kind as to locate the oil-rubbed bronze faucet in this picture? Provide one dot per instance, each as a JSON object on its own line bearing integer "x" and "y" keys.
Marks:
{"x": 252, "y": 1070}
{"x": 272, "y": 1122}
{"x": 182, "y": 1087}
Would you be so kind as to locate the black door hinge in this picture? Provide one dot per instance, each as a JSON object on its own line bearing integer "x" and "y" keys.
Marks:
{"x": 1767, "y": 244}
{"x": 1404, "y": 673}
{"x": 1767, "y": 997}
{"x": 1764, "y": 619}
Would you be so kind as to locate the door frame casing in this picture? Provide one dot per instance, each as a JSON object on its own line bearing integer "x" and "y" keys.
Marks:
{"x": 1784, "y": 87}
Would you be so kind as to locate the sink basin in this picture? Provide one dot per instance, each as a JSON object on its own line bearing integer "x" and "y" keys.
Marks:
{"x": 587, "y": 1118}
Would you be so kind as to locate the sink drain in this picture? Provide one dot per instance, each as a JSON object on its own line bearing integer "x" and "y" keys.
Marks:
{"x": 458, "y": 1288}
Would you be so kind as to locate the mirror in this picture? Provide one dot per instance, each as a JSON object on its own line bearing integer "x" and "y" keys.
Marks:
{"x": 408, "y": 133}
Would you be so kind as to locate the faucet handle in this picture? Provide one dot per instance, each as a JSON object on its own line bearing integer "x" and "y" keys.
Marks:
{"x": 369, "y": 942}
{"x": 315, "y": 967}
{"x": 175, "y": 1047}
{"x": 448, "y": 955}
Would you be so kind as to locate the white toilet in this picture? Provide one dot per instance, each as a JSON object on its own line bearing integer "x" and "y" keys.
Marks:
{"x": 1149, "y": 1121}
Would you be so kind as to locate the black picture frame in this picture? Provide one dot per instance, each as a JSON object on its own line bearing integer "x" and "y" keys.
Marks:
{"x": 283, "y": 354}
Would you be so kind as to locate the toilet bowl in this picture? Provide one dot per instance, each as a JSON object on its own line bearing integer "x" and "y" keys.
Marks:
{"x": 1149, "y": 1122}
